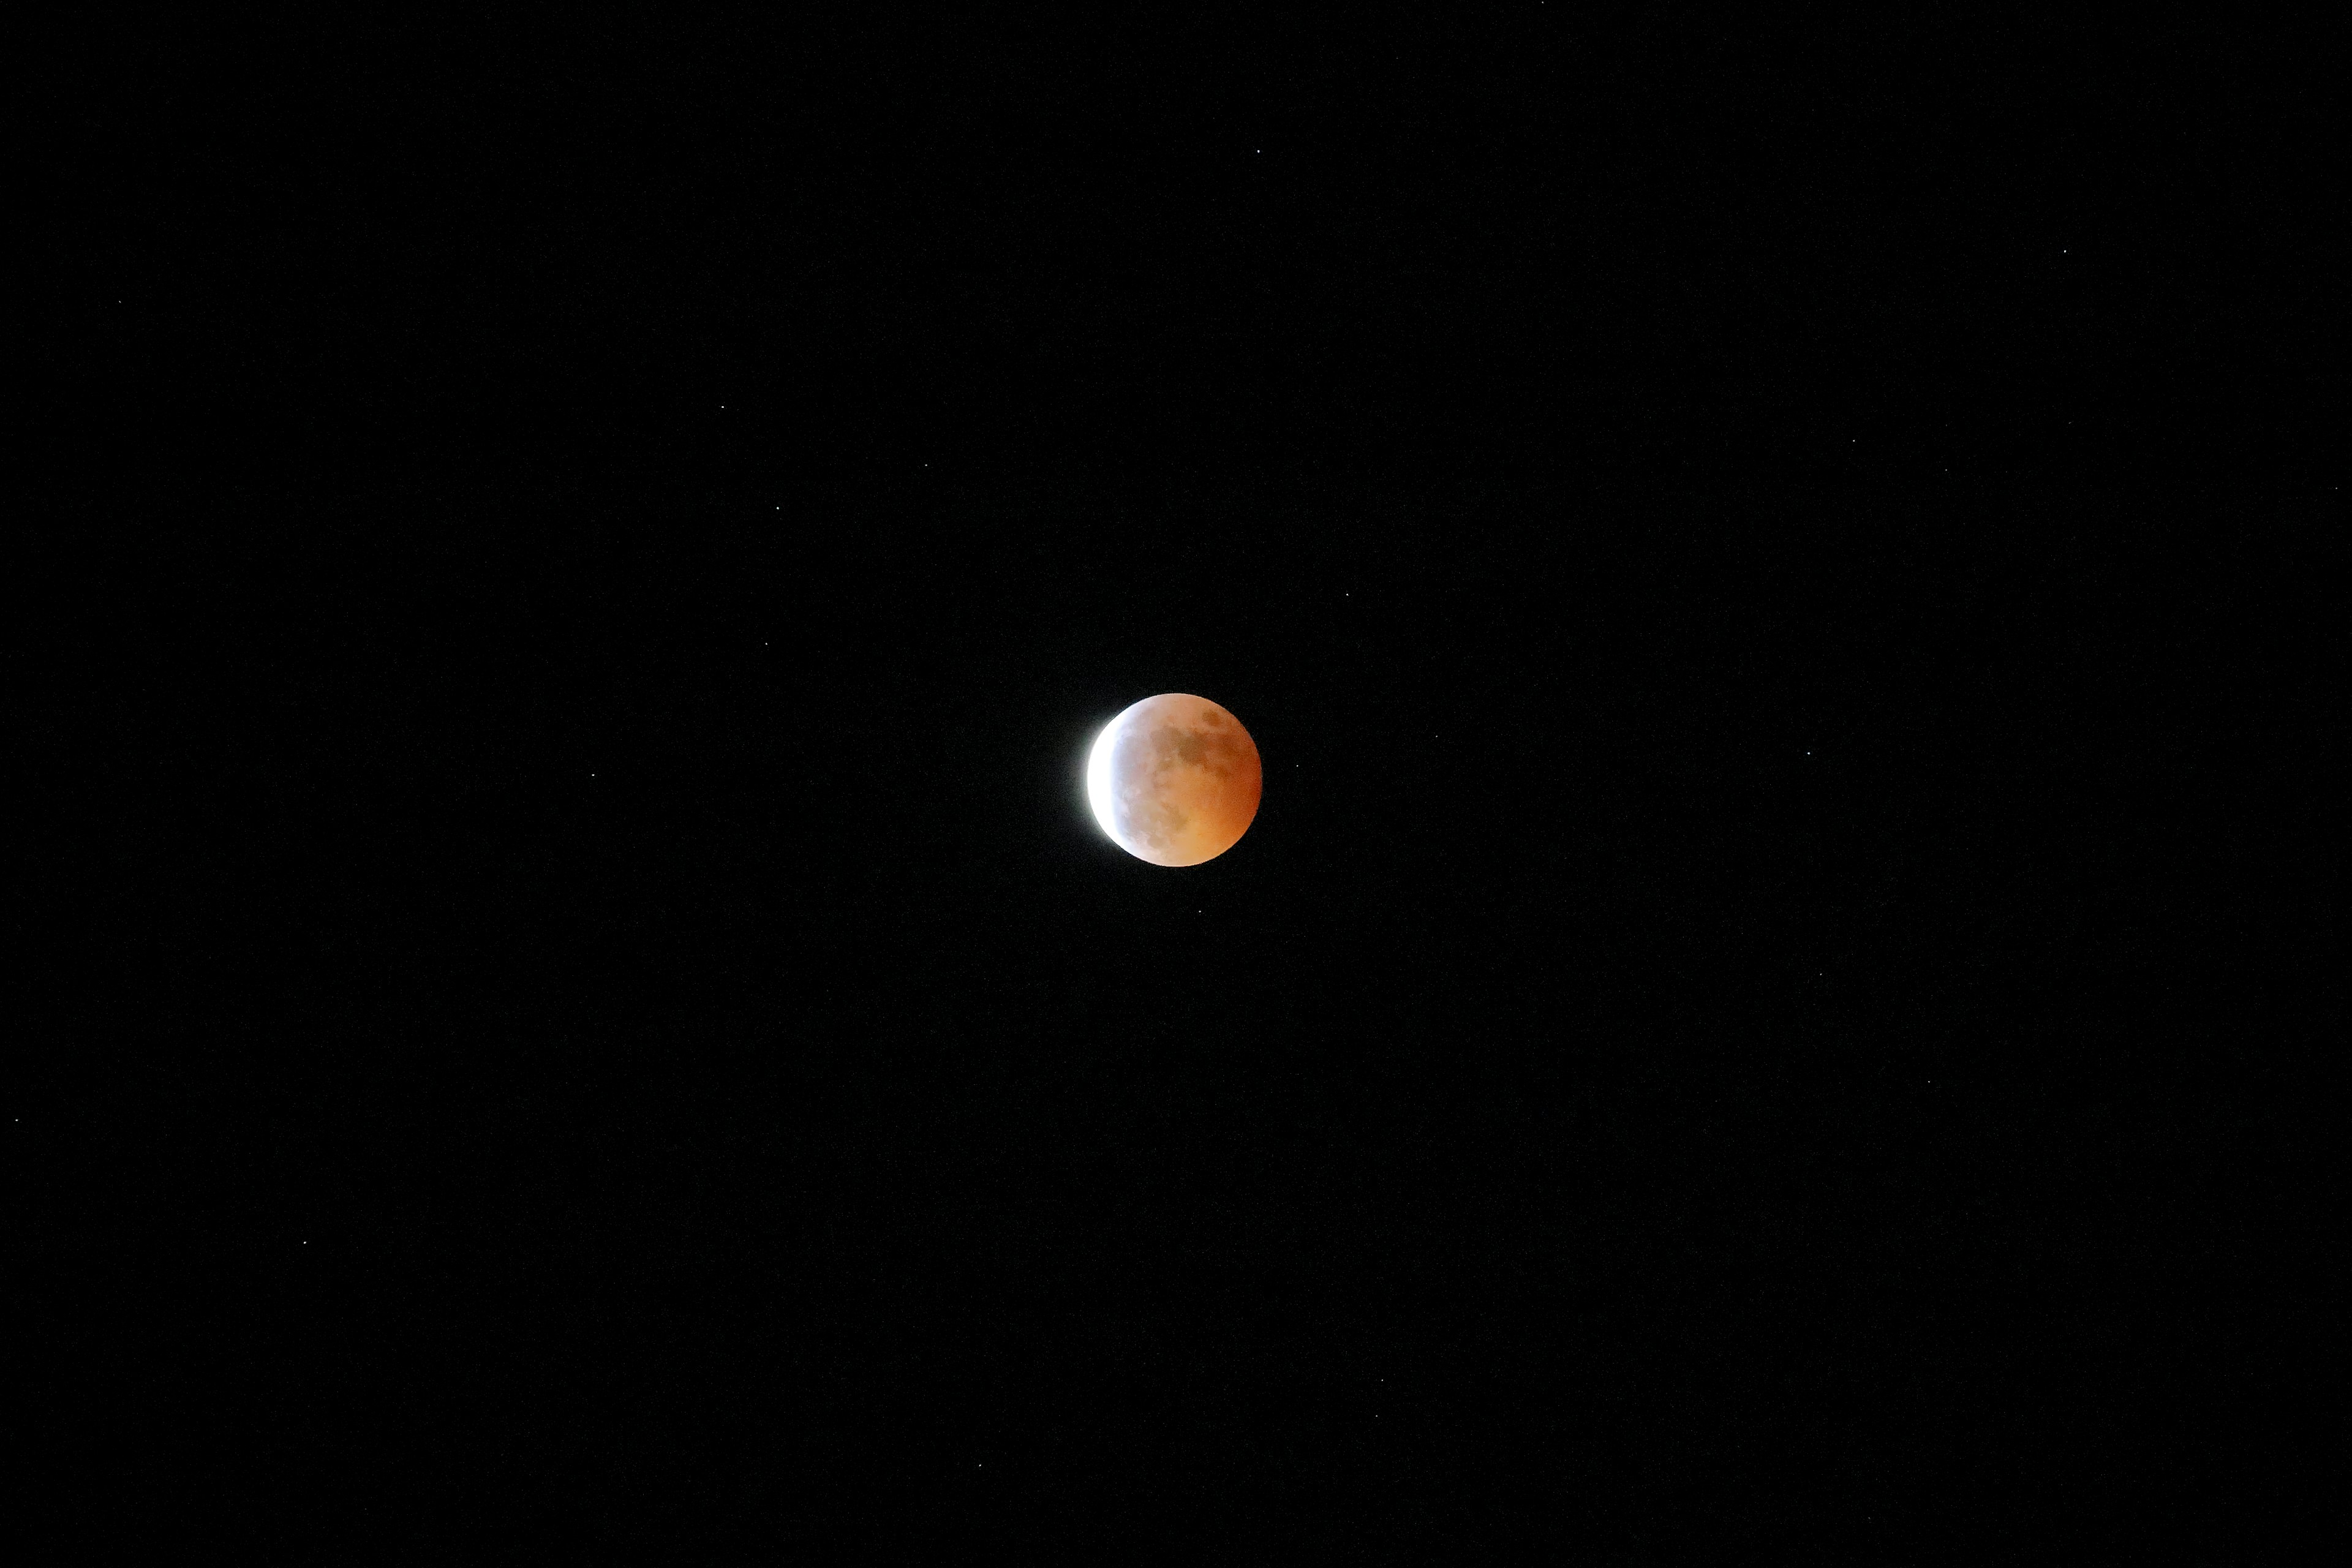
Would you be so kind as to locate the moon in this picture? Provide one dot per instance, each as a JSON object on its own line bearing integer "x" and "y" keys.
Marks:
{"x": 1174, "y": 780}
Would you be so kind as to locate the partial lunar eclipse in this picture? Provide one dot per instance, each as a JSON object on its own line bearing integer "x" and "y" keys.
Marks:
{"x": 1174, "y": 780}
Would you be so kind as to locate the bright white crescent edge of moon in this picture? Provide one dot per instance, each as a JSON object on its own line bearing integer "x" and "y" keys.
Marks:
{"x": 1099, "y": 778}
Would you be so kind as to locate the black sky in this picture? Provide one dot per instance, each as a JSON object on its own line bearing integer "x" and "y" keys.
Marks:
{"x": 581, "y": 570}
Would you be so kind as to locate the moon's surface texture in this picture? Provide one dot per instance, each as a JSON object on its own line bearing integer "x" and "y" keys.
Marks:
{"x": 1174, "y": 780}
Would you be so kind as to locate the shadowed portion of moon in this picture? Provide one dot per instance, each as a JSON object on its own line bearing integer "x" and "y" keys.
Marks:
{"x": 1174, "y": 780}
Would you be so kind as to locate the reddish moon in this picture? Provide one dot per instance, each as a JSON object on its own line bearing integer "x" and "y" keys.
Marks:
{"x": 1174, "y": 780}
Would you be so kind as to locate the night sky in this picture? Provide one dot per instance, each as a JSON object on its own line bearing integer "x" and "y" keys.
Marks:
{"x": 1781, "y": 582}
